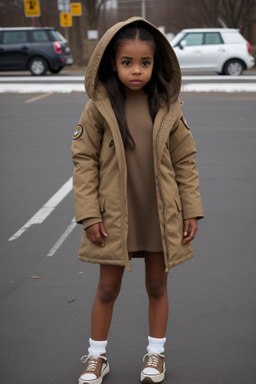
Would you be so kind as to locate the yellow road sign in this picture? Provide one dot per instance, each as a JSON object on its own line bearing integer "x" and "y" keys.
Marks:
{"x": 32, "y": 8}
{"x": 65, "y": 19}
{"x": 76, "y": 9}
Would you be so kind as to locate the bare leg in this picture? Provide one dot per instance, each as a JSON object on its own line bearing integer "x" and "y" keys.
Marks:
{"x": 108, "y": 289}
{"x": 156, "y": 285}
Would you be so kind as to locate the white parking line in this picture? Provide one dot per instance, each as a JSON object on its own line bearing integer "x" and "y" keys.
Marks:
{"x": 62, "y": 238}
{"x": 46, "y": 210}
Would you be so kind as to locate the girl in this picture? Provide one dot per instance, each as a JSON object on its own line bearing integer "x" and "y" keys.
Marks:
{"x": 135, "y": 180}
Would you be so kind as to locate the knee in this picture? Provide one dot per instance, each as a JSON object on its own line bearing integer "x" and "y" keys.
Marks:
{"x": 156, "y": 289}
{"x": 107, "y": 293}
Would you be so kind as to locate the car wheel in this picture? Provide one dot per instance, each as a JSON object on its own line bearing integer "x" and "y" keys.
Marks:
{"x": 233, "y": 68}
{"x": 38, "y": 66}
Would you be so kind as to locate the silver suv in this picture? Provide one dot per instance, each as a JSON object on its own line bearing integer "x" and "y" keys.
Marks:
{"x": 222, "y": 50}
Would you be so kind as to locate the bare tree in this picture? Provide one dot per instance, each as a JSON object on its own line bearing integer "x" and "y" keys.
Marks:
{"x": 93, "y": 8}
{"x": 210, "y": 10}
{"x": 236, "y": 13}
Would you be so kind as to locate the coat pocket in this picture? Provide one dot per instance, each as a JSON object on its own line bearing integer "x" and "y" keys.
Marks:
{"x": 179, "y": 212}
{"x": 102, "y": 203}
{"x": 178, "y": 204}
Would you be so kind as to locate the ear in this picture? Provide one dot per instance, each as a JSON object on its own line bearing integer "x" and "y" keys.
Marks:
{"x": 113, "y": 64}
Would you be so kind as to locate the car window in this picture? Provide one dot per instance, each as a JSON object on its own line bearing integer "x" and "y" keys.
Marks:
{"x": 39, "y": 36}
{"x": 212, "y": 38}
{"x": 57, "y": 36}
{"x": 193, "y": 39}
{"x": 14, "y": 37}
{"x": 177, "y": 39}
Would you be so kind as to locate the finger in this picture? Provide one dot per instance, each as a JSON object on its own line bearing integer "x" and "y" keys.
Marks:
{"x": 191, "y": 233}
{"x": 93, "y": 234}
{"x": 93, "y": 238}
{"x": 186, "y": 228}
{"x": 102, "y": 230}
{"x": 98, "y": 239}
{"x": 187, "y": 239}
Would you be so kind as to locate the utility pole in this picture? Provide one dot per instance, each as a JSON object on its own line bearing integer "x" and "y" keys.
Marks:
{"x": 143, "y": 9}
{"x": 143, "y": 6}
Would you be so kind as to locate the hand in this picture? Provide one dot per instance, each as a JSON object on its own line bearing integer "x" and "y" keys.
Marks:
{"x": 95, "y": 234}
{"x": 190, "y": 229}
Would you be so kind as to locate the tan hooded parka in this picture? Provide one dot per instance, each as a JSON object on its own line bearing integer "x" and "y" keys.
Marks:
{"x": 100, "y": 173}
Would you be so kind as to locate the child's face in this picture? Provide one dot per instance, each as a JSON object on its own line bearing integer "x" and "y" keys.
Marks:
{"x": 134, "y": 63}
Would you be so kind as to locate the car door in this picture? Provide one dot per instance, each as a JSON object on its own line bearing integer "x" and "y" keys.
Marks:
{"x": 15, "y": 49}
{"x": 214, "y": 51}
{"x": 189, "y": 51}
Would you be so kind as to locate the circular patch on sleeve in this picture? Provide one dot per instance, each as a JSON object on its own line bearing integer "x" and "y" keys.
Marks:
{"x": 78, "y": 132}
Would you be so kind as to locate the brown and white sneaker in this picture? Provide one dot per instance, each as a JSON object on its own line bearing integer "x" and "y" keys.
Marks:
{"x": 96, "y": 368}
{"x": 154, "y": 368}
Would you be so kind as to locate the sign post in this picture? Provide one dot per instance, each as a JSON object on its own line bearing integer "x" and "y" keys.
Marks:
{"x": 76, "y": 9}
{"x": 65, "y": 19}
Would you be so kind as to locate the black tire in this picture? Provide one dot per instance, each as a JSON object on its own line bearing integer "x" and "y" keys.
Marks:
{"x": 56, "y": 70}
{"x": 38, "y": 66}
{"x": 233, "y": 67}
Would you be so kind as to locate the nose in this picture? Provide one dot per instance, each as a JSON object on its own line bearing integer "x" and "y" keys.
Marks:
{"x": 136, "y": 69}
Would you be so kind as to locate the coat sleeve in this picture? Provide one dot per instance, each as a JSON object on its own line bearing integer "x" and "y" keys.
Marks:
{"x": 86, "y": 147}
{"x": 182, "y": 151}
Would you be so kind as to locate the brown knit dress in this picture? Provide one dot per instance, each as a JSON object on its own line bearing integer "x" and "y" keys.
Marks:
{"x": 143, "y": 220}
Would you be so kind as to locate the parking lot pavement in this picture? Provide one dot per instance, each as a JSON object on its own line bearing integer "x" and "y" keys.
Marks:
{"x": 45, "y": 299}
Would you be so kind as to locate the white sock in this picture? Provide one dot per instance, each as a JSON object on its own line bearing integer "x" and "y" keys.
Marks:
{"x": 155, "y": 345}
{"x": 97, "y": 348}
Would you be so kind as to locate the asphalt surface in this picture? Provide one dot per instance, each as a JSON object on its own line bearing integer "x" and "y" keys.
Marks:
{"x": 45, "y": 300}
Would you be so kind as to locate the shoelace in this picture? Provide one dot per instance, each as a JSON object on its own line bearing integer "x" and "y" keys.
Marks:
{"x": 153, "y": 359}
{"x": 92, "y": 362}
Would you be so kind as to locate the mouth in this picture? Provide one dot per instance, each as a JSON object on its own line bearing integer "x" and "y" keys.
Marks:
{"x": 136, "y": 82}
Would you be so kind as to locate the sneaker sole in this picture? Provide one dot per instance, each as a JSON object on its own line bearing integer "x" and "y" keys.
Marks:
{"x": 99, "y": 380}
{"x": 146, "y": 379}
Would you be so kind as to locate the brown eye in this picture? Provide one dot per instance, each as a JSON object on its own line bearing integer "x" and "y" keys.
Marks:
{"x": 126, "y": 62}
